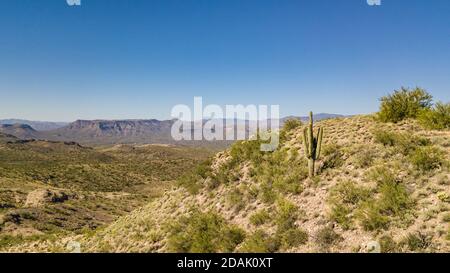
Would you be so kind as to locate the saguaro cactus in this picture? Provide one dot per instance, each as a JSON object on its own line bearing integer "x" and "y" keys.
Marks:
{"x": 312, "y": 144}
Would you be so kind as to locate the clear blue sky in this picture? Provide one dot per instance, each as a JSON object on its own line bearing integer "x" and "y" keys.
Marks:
{"x": 116, "y": 59}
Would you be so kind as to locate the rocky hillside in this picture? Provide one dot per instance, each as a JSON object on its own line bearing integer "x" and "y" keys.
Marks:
{"x": 21, "y": 131}
{"x": 377, "y": 184}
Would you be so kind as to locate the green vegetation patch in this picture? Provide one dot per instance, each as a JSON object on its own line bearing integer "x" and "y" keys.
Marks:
{"x": 203, "y": 233}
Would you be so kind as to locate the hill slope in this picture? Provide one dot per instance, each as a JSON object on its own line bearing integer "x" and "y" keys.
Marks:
{"x": 387, "y": 183}
{"x": 59, "y": 188}
{"x": 21, "y": 131}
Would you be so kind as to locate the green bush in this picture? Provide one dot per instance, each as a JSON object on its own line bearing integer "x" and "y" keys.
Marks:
{"x": 417, "y": 241}
{"x": 287, "y": 215}
{"x": 344, "y": 198}
{"x": 293, "y": 238}
{"x": 385, "y": 137}
{"x": 403, "y": 104}
{"x": 340, "y": 214}
{"x": 349, "y": 193}
{"x": 203, "y": 233}
{"x": 260, "y": 218}
{"x": 236, "y": 199}
{"x": 364, "y": 158}
{"x": 192, "y": 181}
{"x": 326, "y": 237}
{"x": 403, "y": 142}
{"x": 427, "y": 158}
{"x": 394, "y": 199}
{"x": 388, "y": 245}
{"x": 446, "y": 218}
{"x": 260, "y": 242}
{"x": 266, "y": 193}
{"x": 332, "y": 157}
{"x": 382, "y": 175}
{"x": 437, "y": 118}
{"x": 371, "y": 217}
{"x": 291, "y": 124}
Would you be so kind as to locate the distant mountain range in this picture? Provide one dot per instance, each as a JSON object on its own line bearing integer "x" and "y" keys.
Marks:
{"x": 36, "y": 125}
{"x": 103, "y": 132}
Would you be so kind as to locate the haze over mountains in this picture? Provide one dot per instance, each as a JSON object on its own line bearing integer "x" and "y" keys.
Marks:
{"x": 37, "y": 125}
{"x": 103, "y": 132}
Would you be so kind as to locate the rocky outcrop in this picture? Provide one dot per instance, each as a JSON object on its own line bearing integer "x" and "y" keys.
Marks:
{"x": 38, "y": 198}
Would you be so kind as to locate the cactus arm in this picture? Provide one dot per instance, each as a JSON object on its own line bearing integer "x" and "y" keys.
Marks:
{"x": 311, "y": 135}
{"x": 319, "y": 142}
{"x": 305, "y": 142}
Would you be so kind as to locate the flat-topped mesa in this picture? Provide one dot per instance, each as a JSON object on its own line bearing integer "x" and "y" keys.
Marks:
{"x": 312, "y": 144}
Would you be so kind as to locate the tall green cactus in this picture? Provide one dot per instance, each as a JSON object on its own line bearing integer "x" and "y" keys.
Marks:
{"x": 312, "y": 144}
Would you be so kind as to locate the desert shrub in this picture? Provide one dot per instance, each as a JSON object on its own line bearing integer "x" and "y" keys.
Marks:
{"x": 427, "y": 158}
{"x": 444, "y": 196}
{"x": 204, "y": 169}
{"x": 385, "y": 137}
{"x": 289, "y": 181}
{"x": 266, "y": 193}
{"x": 287, "y": 231}
{"x": 279, "y": 174}
{"x": 260, "y": 242}
{"x": 332, "y": 157}
{"x": 293, "y": 238}
{"x": 192, "y": 181}
{"x": 203, "y": 233}
{"x": 287, "y": 215}
{"x": 382, "y": 175}
{"x": 344, "y": 198}
{"x": 260, "y": 218}
{"x": 403, "y": 104}
{"x": 394, "y": 199}
{"x": 341, "y": 214}
{"x": 291, "y": 124}
{"x": 403, "y": 142}
{"x": 446, "y": 218}
{"x": 326, "y": 237}
{"x": 225, "y": 175}
{"x": 349, "y": 192}
{"x": 236, "y": 199}
{"x": 437, "y": 118}
{"x": 246, "y": 150}
{"x": 388, "y": 245}
{"x": 364, "y": 158}
{"x": 371, "y": 217}
{"x": 417, "y": 241}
